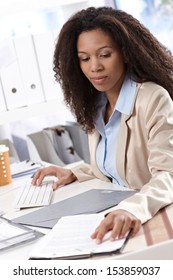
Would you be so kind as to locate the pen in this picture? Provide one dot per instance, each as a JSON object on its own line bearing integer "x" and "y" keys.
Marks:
{"x": 32, "y": 163}
{"x": 126, "y": 240}
{"x": 32, "y": 176}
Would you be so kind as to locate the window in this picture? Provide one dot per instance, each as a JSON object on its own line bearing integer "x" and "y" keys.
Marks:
{"x": 22, "y": 17}
{"x": 156, "y": 15}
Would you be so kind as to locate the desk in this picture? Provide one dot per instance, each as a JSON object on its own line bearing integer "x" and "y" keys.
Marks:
{"x": 154, "y": 241}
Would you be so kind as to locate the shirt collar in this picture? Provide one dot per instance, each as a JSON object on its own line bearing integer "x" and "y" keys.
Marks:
{"x": 126, "y": 97}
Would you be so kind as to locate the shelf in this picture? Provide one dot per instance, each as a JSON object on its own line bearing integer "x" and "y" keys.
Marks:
{"x": 45, "y": 108}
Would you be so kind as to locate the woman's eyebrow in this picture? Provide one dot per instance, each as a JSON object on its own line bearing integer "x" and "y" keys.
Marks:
{"x": 104, "y": 47}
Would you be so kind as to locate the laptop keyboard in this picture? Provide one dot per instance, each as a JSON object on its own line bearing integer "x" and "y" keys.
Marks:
{"x": 34, "y": 196}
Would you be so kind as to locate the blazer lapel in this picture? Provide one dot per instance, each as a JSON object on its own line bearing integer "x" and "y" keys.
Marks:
{"x": 121, "y": 148}
{"x": 122, "y": 142}
{"x": 93, "y": 142}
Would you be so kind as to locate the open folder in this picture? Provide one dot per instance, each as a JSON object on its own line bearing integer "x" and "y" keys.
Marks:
{"x": 70, "y": 239}
{"x": 92, "y": 201}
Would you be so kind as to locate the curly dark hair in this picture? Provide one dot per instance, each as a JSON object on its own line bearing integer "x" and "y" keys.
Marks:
{"x": 147, "y": 59}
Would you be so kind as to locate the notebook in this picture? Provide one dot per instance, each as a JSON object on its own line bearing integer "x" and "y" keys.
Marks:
{"x": 92, "y": 201}
{"x": 70, "y": 239}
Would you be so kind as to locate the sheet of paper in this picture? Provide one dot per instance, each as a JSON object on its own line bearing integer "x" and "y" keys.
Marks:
{"x": 24, "y": 168}
{"x": 8, "y": 231}
{"x": 1, "y": 212}
{"x": 71, "y": 236}
{"x": 13, "y": 234}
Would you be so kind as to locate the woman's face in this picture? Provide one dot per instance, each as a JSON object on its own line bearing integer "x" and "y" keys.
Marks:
{"x": 101, "y": 61}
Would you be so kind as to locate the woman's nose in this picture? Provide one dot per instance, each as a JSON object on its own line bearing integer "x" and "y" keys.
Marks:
{"x": 96, "y": 65}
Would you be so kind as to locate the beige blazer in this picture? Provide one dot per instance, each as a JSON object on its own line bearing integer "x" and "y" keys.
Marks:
{"x": 144, "y": 152}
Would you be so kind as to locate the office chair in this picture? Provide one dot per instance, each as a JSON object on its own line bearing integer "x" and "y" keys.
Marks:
{"x": 58, "y": 145}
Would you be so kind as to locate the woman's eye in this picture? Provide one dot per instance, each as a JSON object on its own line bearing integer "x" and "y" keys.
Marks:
{"x": 105, "y": 55}
{"x": 84, "y": 59}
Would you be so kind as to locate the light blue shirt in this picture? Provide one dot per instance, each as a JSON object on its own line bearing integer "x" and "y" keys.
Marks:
{"x": 106, "y": 149}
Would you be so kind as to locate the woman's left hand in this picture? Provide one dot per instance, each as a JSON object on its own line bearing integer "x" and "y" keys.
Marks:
{"x": 119, "y": 222}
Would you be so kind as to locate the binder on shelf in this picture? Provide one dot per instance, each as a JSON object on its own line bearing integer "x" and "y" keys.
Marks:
{"x": 29, "y": 69}
{"x": 7, "y": 54}
{"x": 11, "y": 80}
{"x": 44, "y": 47}
{"x": 70, "y": 239}
{"x": 12, "y": 234}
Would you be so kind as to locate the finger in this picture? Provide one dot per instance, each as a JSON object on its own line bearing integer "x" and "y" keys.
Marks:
{"x": 40, "y": 180}
{"x": 104, "y": 227}
{"x": 36, "y": 176}
{"x": 135, "y": 227}
{"x": 94, "y": 234}
{"x": 41, "y": 174}
{"x": 117, "y": 228}
{"x": 56, "y": 185}
{"x": 126, "y": 226}
{"x": 60, "y": 182}
{"x": 101, "y": 231}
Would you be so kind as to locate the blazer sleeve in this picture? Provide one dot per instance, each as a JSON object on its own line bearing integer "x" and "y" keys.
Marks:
{"x": 83, "y": 172}
{"x": 158, "y": 191}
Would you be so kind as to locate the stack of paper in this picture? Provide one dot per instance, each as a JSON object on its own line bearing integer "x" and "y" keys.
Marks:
{"x": 24, "y": 168}
{"x": 12, "y": 234}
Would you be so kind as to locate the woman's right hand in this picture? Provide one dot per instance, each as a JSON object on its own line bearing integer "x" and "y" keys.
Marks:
{"x": 65, "y": 176}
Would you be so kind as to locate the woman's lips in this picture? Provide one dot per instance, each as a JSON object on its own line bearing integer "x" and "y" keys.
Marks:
{"x": 98, "y": 80}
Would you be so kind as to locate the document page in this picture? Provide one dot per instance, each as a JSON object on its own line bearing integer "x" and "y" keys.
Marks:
{"x": 24, "y": 168}
{"x": 71, "y": 237}
{"x": 8, "y": 231}
{"x": 1, "y": 212}
{"x": 12, "y": 234}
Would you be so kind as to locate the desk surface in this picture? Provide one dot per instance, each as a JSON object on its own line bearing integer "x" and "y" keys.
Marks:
{"x": 154, "y": 241}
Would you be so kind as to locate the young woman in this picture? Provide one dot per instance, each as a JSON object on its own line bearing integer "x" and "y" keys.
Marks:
{"x": 117, "y": 79}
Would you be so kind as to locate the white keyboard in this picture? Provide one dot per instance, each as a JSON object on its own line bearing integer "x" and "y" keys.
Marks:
{"x": 34, "y": 196}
